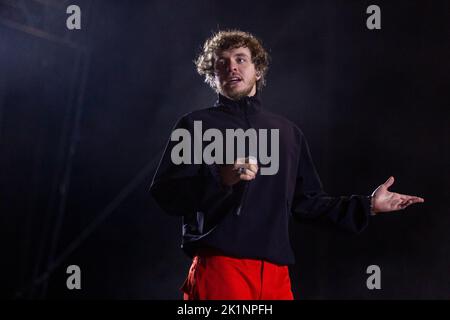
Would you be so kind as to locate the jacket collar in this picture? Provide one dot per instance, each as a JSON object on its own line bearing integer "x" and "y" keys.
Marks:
{"x": 249, "y": 105}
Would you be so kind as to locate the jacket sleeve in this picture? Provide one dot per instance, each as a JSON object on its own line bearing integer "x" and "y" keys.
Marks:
{"x": 181, "y": 189}
{"x": 310, "y": 201}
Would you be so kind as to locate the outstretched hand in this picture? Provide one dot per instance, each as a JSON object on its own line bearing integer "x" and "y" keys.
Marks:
{"x": 384, "y": 200}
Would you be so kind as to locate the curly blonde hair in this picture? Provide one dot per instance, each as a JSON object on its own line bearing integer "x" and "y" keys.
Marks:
{"x": 231, "y": 39}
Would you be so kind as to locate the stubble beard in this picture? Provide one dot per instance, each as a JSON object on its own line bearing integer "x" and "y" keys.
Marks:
{"x": 237, "y": 95}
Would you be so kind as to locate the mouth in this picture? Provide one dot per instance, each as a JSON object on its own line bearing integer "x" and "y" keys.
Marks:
{"x": 233, "y": 80}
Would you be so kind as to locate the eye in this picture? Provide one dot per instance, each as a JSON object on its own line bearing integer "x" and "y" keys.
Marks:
{"x": 240, "y": 60}
{"x": 220, "y": 63}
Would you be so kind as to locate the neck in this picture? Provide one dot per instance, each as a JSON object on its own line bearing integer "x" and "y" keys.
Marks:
{"x": 248, "y": 104}
{"x": 251, "y": 94}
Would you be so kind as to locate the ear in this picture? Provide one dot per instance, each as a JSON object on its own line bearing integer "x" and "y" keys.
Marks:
{"x": 258, "y": 75}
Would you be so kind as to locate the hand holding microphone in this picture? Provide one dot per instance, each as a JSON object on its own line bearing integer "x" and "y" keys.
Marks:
{"x": 243, "y": 169}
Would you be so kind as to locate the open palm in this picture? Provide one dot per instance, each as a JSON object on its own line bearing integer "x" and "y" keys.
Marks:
{"x": 384, "y": 200}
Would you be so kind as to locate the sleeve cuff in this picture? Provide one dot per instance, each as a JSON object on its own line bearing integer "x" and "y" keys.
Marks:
{"x": 371, "y": 213}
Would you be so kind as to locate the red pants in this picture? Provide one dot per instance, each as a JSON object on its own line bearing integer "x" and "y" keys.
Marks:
{"x": 220, "y": 277}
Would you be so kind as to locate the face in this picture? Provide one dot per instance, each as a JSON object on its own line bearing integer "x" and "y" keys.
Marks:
{"x": 235, "y": 73}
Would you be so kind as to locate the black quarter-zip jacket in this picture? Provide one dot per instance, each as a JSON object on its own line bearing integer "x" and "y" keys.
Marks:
{"x": 251, "y": 218}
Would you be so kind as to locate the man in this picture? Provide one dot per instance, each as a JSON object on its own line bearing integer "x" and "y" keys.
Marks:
{"x": 235, "y": 219}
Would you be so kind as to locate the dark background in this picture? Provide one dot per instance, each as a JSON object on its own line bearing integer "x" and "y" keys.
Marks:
{"x": 85, "y": 114}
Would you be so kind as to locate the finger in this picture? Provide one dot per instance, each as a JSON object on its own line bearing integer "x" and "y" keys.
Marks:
{"x": 247, "y": 176}
{"x": 389, "y": 182}
{"x": 253, "y": 168}
{"x": 250, "y": 174}
{"x": 408, "y": 197}
{"x": 410, "y": 201}
{"x": 416, "y": 199}
{"x": 403, "y": 204}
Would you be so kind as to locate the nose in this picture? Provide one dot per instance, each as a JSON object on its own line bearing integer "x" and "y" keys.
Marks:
{"x": 232, "y": 66}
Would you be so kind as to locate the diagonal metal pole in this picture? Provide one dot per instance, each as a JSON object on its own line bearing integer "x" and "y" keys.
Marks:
{"x": 63, "y": 188}
{"x": 100, "y": 218}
